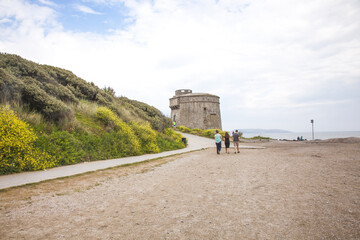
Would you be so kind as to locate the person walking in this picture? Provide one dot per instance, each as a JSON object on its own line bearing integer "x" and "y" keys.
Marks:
{"x": 218, "y": 141}
{"x": 236, "y": 137}
{"x": 227, "y": 142}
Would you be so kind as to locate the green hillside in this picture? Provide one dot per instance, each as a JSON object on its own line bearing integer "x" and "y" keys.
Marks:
{"x": 50, "y": 117}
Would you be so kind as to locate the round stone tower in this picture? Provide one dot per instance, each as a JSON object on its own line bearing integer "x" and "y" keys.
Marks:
{"x": 195, "y": 110}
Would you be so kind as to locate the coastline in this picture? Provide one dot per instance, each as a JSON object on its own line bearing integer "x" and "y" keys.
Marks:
{"x": 306, "y": 135}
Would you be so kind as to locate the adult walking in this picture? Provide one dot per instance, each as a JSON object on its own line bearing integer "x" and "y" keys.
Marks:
{"x": 236, "y": 137}
{"x": 218, "y": 141}
{"x": 227, "y": 142}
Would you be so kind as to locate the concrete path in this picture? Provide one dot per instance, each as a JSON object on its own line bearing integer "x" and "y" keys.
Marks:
{"x": 194, "y": 143}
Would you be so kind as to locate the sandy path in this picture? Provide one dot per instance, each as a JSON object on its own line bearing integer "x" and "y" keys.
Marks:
{"x": 290, "y": 190}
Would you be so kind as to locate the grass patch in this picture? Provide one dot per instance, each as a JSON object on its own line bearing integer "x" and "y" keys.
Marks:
{"x": 259, "y": 138}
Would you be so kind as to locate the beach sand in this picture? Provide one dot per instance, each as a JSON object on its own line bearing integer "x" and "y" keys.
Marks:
{"x": 289, "y": 190}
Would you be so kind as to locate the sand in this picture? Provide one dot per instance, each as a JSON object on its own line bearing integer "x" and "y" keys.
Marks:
{"x": 289, "y": 190}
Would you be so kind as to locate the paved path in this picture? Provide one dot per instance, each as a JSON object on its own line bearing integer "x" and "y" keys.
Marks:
{"x": 194, "y": 143}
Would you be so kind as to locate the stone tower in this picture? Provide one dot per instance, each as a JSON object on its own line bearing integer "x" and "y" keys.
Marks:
{"x": 195, "y": 110}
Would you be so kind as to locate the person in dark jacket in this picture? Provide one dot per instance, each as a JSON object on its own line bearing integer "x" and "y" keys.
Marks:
{"x": 236, "y": 137}
{"x": 227, "y": 142}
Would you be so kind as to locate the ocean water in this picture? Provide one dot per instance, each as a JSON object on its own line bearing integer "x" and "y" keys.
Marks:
{"x": 305, "y": 135}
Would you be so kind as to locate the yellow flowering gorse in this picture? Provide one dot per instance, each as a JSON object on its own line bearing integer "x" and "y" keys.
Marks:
{"x": 17, "y": 151}
{"x": 110, "y": 118}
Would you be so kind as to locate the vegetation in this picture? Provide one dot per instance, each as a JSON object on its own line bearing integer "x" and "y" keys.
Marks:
{"x": 210, "y": 133}
{"x": 17, "y": 151}
{"x": 50, "y": 117}
{"x": 259, "y": 138}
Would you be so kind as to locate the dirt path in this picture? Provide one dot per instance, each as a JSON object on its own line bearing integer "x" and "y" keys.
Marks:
{"x": 290, "y": 190}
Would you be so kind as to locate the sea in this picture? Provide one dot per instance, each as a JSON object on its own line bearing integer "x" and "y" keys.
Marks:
{"x": 305, "y": 135}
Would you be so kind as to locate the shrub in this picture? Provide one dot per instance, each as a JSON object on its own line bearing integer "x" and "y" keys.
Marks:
{"x": 196, "y": 131}
{"x": 184, "y": 129}
{"x": 169, "y": 140}
{"x": 109, "y": 90}
{"x": 210, "y": 133}
{"x": 174, "y": 135}
{"x": 17, "y": 151}
{"x": 259, "y": 138}
{"x": 64, "y": 146}
{"x": 146, "y": 112}
{"x": 147, "y": 137}
{"x": 60, "y": 92}
{"x": 128, "y": 140}
{"x": 10, "y": 88}
{"x": 52, "y": 108}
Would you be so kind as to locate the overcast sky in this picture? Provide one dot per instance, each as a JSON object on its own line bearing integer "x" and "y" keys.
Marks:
{"x": 273, "y": 63}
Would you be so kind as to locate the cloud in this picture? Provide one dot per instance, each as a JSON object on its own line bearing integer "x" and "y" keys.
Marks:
{"x": 263, "y": 59}
{"x": 49, "y": 3}
{"x": 86, "y": 9}
{"x": 5, "y": 20}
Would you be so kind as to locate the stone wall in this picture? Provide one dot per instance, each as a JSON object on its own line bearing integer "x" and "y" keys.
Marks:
{"x": 195, "y": 110}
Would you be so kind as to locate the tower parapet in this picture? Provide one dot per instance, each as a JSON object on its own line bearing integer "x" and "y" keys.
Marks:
{"x": 182, "y": 92}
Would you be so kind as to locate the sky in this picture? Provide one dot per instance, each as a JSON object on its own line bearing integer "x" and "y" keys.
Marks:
{"x": 274, "y": 64}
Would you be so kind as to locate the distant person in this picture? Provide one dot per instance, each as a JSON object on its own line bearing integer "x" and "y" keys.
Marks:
{"x": 301, "y": 139}
{"x": 227, "y": 142}
{"x": 236, "y": 137}
{"x": 218, "y": 141}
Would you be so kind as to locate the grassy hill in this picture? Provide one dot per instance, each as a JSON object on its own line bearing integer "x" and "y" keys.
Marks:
{"x": 50, "y": 117}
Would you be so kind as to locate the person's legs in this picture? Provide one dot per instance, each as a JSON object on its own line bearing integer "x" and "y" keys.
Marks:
{"x": 236, "y": 146}
{"x": 218, "y": 147}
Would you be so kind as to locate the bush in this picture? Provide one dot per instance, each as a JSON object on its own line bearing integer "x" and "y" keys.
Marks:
{"x": 80, "y": 87}
{"x": 52, "y": 108}
{"x": 64, "y": 146}
{"x": 170, "y": 140}
{"x": 209, "y": 133}
{"x": 177, "y": 137}
{"x": 10, "y": 88}
{"x": 147, "y": 137}
{"x": 184, "y": 129}
{"x": 60, "y": 92}
{"x": 144, "y": 111}
{"x": 17, "y": 151}
{"x": 259, "y": 138}
{"x": 196, "y": 131}
{"x": 128, "y": 140}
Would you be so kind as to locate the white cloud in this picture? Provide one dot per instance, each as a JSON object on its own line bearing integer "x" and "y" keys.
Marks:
{"x": 86, "y": 9}
{"x": 5, "y": 20}
{"x": 49, "y": 3}
{"x": 272, "y": 63}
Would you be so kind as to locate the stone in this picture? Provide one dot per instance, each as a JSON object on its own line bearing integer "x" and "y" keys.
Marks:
{"x": 195, "y": 110}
